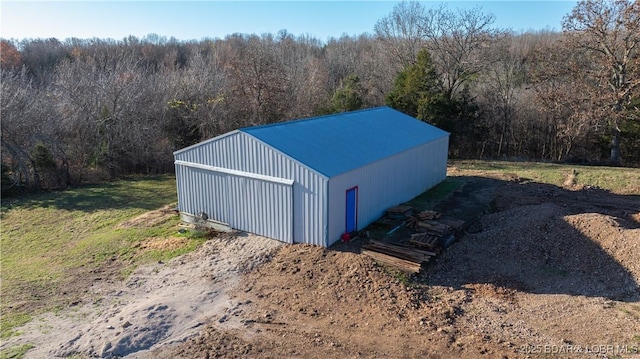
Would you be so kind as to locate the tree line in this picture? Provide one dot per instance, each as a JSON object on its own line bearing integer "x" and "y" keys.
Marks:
{"x": 83, "y": 110}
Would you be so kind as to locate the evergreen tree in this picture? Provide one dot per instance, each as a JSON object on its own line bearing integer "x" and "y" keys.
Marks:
{"x": 418, "y": 92}
{"x": 349, "y": 96}
{"x": 416, "y": 88}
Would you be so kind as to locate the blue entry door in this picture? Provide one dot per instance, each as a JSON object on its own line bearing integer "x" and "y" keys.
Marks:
{"x": 352, "y": 210}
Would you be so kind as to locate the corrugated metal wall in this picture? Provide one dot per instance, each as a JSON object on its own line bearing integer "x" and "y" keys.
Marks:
{"x": 261, "y": 207}
{"x": 198, "y": 191}
{"x": 241, "y": 152}
{"x": 252, "y": 204}
{"x": 386, "y": 183}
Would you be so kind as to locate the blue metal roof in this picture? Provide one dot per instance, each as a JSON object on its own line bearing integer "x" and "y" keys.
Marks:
{"x": 339, "y": 143}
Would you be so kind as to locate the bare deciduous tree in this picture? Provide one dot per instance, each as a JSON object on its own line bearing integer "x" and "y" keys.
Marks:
{"x": 609, "y": 33}
{"x": 402, "y": 31}
{"x": 501, "y": 84}
{"x": 457, "y": 41}
{"x": 255, "y": 92}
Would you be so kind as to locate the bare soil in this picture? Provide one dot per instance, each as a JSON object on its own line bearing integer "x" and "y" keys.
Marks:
{"x": 539, "y": 271}
{"x": 150, "y": 218}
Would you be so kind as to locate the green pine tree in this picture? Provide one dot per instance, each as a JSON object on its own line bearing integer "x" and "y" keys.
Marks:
{"x": 349, "y": 96}
{"x": 417, "y": 90}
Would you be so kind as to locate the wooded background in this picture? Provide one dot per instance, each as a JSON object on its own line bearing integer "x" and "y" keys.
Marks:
{"x": 83, "y": 110}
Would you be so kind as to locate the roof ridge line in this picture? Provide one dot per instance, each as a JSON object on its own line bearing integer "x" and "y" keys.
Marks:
{"x": 243, "y": 129}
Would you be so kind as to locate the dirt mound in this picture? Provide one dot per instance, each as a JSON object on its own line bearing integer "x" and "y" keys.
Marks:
{"x": 616, "y": 236}
{"x": 550, "y": 268}
{"x": 314, "y": 281}
{"x": 541, "y": 249}
{"x": 316, "y": 303}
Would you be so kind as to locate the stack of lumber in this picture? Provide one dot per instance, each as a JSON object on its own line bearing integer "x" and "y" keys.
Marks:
{"x": 431, "y": 233}
{"x": 402, "y": 265}
{"x": 406, "y": 259}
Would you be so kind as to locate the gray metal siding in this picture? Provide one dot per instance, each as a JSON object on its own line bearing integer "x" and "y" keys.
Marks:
{"x": 199, "y": 191}
{"x": 261, "y": 207}
{"x": 251, "y": 204}
{"x": 241, "y": 152}
{"x": 386, "y": 183}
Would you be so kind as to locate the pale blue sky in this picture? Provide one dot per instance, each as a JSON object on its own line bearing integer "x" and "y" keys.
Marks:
{"x": 187, "y": 20}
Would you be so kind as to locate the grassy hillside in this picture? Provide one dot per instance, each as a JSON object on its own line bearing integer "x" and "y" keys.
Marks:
{"x": 51, "y": 242}
{"x": 615, "y": 179}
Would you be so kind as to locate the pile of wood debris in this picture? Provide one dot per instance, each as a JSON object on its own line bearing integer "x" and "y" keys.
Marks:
{"x": 430, "y": 233}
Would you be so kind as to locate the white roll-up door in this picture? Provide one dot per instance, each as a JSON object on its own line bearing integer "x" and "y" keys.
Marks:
{"x": 248, "y": 202}
{"x": 261, "y": 207}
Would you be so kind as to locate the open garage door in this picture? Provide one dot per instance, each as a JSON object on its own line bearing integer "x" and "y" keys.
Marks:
{"x": 245, "y": 201}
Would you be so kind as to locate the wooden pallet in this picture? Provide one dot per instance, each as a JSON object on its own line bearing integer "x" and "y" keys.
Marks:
{"x": 433, "y": 232}
{"x": 435, "y": 227}
{"x": 456, "y": 224}
{"x": 399, "y": 212}
{"x": 427, "y": 215}
{"x": 424, "y": 240}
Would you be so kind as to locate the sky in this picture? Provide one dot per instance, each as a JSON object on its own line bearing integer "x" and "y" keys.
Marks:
{"x": 195, "y": 20}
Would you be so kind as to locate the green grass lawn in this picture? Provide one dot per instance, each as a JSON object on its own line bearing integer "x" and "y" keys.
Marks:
{"x": 619, "y": 180}
{"x": 48, "y": 238}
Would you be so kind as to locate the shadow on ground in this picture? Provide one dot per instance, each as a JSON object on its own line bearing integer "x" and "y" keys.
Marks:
{"x": 540, "y": 238}
{"x": 143, "y": 192}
